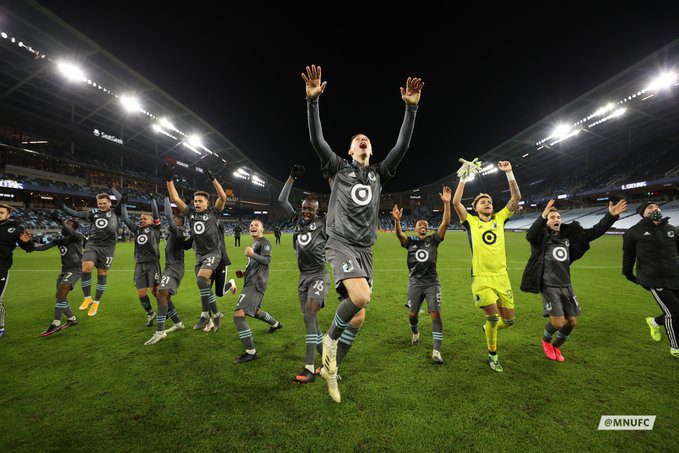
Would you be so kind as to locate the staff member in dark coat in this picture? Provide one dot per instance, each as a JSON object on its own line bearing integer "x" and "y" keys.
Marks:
{"x": 554, "y": 246}
{"x": 653, "y": 243}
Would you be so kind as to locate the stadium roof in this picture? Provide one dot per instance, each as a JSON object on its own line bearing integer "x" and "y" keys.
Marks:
{"x": 55, "y": 77}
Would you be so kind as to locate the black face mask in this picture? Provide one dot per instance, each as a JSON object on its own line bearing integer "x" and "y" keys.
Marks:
{"x": 656, "y": 216}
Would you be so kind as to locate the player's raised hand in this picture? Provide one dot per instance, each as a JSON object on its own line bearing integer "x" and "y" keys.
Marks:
{"x": 413, "y": 90}
{"x": 210, "y": 176}
{"x": 312, "y": 78}
{"x": 618, "y": 208}
{"x": 550, "y": 205}
{"x": 397, "y": 213}
{"x": 447, "y": 194}
{"x": 239, "y": 273}
{"x": 504, "y": 166}
{"x": 249, "y": 252}
{"x": 297, "y": 171}
{"x": 168, "y": 172}
{"x": 25, "y": 236}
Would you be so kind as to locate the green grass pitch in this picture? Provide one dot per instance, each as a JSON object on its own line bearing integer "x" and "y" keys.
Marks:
{"x": 97, "y": 387}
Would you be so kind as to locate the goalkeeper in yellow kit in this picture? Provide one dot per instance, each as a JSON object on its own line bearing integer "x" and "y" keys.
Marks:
{"x": 490, "y": 282}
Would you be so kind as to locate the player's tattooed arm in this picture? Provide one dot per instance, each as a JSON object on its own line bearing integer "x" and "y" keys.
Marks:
{"x": 397, "y": 213}
{"x": 460, "y": 210}
{"x": 445, "y": 221}
{"x": 513, "y": 203}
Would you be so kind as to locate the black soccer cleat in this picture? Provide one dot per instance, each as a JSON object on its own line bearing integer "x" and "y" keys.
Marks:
{"x": 272, "y": 329}
{"x": 246, "y": 358}
{"x": 50, "y": 330}
{"x": 305, "y": 377}
{"x": 69, "y": 324}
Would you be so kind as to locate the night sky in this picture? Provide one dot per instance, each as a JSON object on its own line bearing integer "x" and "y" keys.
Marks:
{"x": 489, "y": 74}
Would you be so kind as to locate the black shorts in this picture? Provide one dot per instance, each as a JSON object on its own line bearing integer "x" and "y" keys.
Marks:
{"x": 560, "y": 302}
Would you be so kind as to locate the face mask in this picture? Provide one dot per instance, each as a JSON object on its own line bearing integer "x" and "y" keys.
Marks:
{"x": 656, "y": 216}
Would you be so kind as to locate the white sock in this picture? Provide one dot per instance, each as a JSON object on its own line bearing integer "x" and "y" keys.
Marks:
{"x": 204, "y": 314}
{"x": 276, "y": 325}
{"x": 251, "y": 351}
{"x": 56, "y": 322}
{"x": 310, "y": 368}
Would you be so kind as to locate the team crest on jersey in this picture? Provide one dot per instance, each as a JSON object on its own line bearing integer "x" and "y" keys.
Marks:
{"x": 10, "y": 230}
{"x": 101, "y": 223}
{"x": 422, "y": 256}
{"x": 204, "y": 217}
{"x": 494, "y": 225}
{"x": 548, "y": 306}
{"x": 303, "y": 239}
{"x": 670, "y": 234}
{"x": 312, "y": 227}
{"x": 146, "y": 230}
{"x": 266, "y": 248}
{"x": 361, "y": 194}
{"x": 371, "y": 176}
{"x": 567, "y": 243}
{"x": 108, "y": 214}
{"x": 347, "y": 266}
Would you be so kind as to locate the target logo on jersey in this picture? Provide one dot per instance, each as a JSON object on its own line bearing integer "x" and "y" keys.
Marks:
{"x": 361, "y": 194}
{"x": 560, "y": 253}
{"x": 422, "y": 256}
{"x": 101, "y": 223}
{"x": 304, "y": 239}
{"x": 198, "y": 227}
{"x": 142, "y": 239}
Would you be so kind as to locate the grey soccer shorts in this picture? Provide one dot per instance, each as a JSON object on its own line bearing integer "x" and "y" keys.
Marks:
{"x": 101, "y": 255}
{"x": 69, "y": 277}
{"x": 208, "y": 261}
{"x": 417, "y": 293}
{"x": 172, "y": 277}
{"x": 146, "y": 275}
{"x": 249, "y": 300}
{"x": 313, "y": 286}
{"x": 560, "y": 302}
{"x": 348, "y": 262}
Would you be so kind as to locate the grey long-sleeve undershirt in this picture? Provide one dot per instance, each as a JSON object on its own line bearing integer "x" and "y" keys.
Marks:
{"x": 283, "y": 199}
{"x": 264, "y": 260}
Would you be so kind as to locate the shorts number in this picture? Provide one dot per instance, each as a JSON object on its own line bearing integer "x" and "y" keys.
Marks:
{"x": 240, "y": 299}
{"x": 109, "y": 260}
{"x": 68, "y": 275}
{"x": 318, "y": 284}
{"x": 165, "y": 280}
{"x": 210, "y": 260}
{"x": 438, "y": 297}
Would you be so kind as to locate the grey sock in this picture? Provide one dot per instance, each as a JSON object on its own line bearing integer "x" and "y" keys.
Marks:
{"x": 345, "y": 312}
{"x": 413, "y": 324}
{"x": 205, "y": 293}
{"x": 437, "y": 333}
{"x": 244, "y": 332}
{"x": 86, "y": 284}
{"x": 172, "y": 312}
{"x": 312, "y": 332}
{"x": 59, "y": 309}
{"x": 160, "y": 319}
{"x": 67, "y": 310}
{"x": 101, "y": 287}
{"x": 345, "y": 342}
{"x": 146, "y": 304}
{"x": 562, "y": 335}
{"x": 213, "y": 304}
{"x": 267, "y": 318}
{"x": 549, "y": 332}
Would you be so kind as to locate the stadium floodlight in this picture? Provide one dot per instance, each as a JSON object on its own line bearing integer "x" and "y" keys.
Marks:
{"x": 194, "y": 140}
{"x": 605, "y": 109}
{"x": 239, "y": 175}
{"x": 130, "y": 103}
{"x": 618, "y": 112}
{"x": 243, "y": 172}
{"x": 191, "y": 148}
{"x": 664, "y": 80}
{"x": 157, "y": 128}
{"x": 4, "y": 35}
{"x": 167, "y": 124}
{"x": 71, "y": 71}
{"x": 561, "y": 130}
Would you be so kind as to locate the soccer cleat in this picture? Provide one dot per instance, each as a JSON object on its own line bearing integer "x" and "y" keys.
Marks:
{"x": 331, "y": 380}
{"x": 159, "y": 335}
{"x": 86, "y": 303}
{"x": 217, "y": 322}
{"x": 416, "y": 339}
{"x": 330, "y": 354}
{"x": 549, "y": 350}
{"x": 274, "y": 328}
{"x": 233, "y": 288}
{"x": 436, "y": 357}
{"x": 202, "y": 322}
{"x": 675, "y": 353}
{"x": 209, "y": 326}
{"x": 494, "y": 363}
{"x": 655, "y": 331}
{"x": 178, "y": 326}
{"x": 93, "y": 309}
{"x": 305, "y": 377}
{"x": 559, "y": 357}
{"x": 150, "y": 318}
{"x": 246, "y": 358}
{"x": 68, "y": 324}
{"x": 50, "y": 330}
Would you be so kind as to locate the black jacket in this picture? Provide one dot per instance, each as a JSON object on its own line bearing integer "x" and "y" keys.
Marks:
{"x": 10, "y": 230}
{"x": 579, "y": 239}
{"x": 655, "y": 250}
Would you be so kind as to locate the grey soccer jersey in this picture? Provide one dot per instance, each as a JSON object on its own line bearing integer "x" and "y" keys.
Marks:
{"x": 174, "y": 244}
{"x": 556, "y": 271}
{"x": 256, "y": 273}
{"x": 309, "y": 242}
{"x": 204, "y": 228}
{"x": 353, "y": 210}
{"x": 104, "y": 227}
{"x": 71, "y": 250}
{"x": 422, "y": 254}
{"x": 146, "y": 243}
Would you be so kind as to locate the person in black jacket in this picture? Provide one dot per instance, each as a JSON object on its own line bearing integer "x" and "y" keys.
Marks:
{"x": 554, "y": 246}
{"x": 11, "y": 234}
{"x": 653, "y": 243}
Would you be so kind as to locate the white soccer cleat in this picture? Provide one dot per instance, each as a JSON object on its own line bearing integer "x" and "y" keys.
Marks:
{"x": 209, "y": 326}
{"x": 416, "y": 339}
{"x": 159, "y": 335}
{"x": 330, "y": 354}
{"x": 436, "y": 357}
{"x": 331, "y": 380}
{"x": 233, "y": 288}
{"x": 178, "y": 326}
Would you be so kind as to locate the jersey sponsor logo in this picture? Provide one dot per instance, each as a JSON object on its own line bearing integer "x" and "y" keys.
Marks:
{"x": 361, "y": 194}
{"x": 63, "y": 250}
{"x": 101, "y": 223}
{"x": 142, "y": 239}
{"x": 303, "y": 239}
{"x": 198, "y": 227}
{"x": 560, "y": 253}
{"x": 347, "y": 266}
{"x": 670, "y": 234}
{"x": 371, "y": 176}
{"x": 489, "y": 237}
{"x": 422, "y": 256}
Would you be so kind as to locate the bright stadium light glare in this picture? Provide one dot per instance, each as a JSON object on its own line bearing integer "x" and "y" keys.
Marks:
{"x": 167, "y": 124}
{"x": 130, "y": 103}
{"x": 605, "y": 109}
{"x": 618, "y": 112}
{"x": 561, "y": 130}
{"x": 664, "y": 80}
{"x": 71, "y": 71}
{"x": 194, "y": 140}
{"x": 192, "y": 148}
{"x": 4, "y": 35}
{"x": 157, "y": 128}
